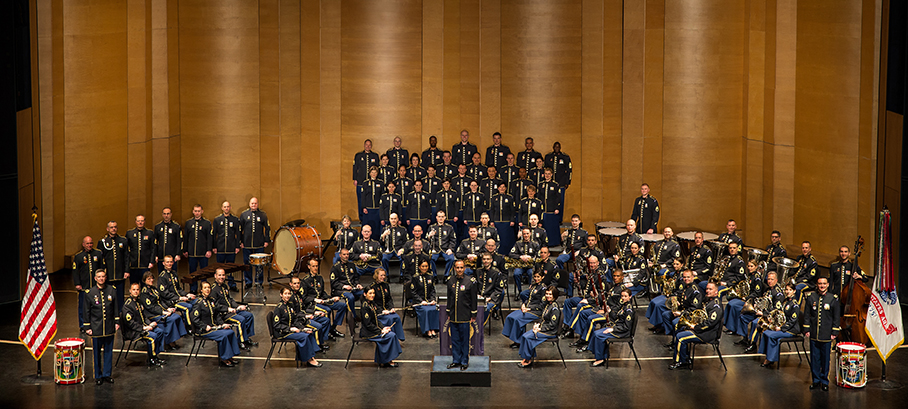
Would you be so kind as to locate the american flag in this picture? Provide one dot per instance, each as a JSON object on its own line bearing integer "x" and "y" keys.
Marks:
{"x": 39, "y": 311}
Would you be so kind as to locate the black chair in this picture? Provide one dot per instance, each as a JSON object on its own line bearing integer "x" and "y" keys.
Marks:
{"x": 275, "y": 340}
{"x": 354, "y": 335}
{"x": 407, "y": 307}
{"x": 497, "y": 308}
{"x": 196, "y": 340}
{"x": 557, "y": 340}
{"x": 794, "y": 340}
{"x": 628, "y": 340}
{"x": 123, "y": 344}
{"x": 715, "y": 345}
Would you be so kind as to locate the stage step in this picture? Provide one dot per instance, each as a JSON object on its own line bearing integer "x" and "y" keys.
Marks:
{"x": 478, "y": 374}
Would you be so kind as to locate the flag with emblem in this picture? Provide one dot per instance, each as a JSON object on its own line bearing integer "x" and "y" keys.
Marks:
{"x": 884, "y": 317}
{"x": 38, "y": 324}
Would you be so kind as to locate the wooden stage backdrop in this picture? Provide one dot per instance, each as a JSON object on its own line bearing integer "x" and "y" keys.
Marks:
{"x": 764, "y": 111}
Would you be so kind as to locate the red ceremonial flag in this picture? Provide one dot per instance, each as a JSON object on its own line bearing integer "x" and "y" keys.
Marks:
{"x": 884, "y": 316}
{"x": 38, "y": 324}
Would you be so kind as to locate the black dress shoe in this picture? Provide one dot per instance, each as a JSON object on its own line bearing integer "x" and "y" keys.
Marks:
{"x": 826, "y": 387}
{"x": 568, "y": 334}
{"x": 325, "y": 347}
{"x": 595, "y": 365}
{"x": 750, "y": 349}
{"x": 311, "y": 365}
{"x": 678, "y": 365}
{"x": 392, "y": 365}
{"x": 160, "y": 361}
{"x": 453, "y": 365}
{"x": 743, "y": 341}
{"x": 653, "y": 328}
{"x": 243, "y": 346}
{"x": 464, "y": 367}
{"x": 578, "y": 343}
{"x": 767, "y": 365}
{"x": 251, "y": 343}
{"x": 109, "y": 379}
{"x": 337, "y": 334}
{"x": 99, "y": 381}
{"x": 514, "y": 345}
{"x": 227, "y": 364}
{"x": 152, "y": 363}
{"x": 814, "y": 385}
{"x": 581, "y": 350}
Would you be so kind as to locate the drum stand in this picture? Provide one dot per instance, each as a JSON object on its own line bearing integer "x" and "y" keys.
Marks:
{"x": 256, "y": 289}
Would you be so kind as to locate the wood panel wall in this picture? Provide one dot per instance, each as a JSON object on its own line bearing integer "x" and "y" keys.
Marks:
{"x": 757, "y": 110}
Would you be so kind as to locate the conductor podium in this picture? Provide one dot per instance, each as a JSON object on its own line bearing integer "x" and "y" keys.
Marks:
{"x": 478, "y": 374}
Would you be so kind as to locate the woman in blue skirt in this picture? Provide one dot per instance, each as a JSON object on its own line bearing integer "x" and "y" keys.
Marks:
{"x": 769, "y": 341}
{"x": 387, "y": 346}
{"x": 158, "y": 309}
{"x": 545, "y": 328}
{"x": 384, "y": 303}
{"x": 208, "y": 322}
{"x": 290, "y": 324}
{"x": 621, "y": 319}
{"x": 515, "y": 323}
{"x": 422, "y": 293}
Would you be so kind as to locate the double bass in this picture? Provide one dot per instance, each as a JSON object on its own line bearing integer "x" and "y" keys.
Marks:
{"x": 855, "y": 300}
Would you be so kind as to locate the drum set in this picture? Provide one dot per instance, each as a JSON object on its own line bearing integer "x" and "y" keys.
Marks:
{"x": 294, "y": 244}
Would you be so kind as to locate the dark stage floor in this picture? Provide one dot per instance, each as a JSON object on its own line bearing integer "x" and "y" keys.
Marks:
{"x": 203, "y": 383}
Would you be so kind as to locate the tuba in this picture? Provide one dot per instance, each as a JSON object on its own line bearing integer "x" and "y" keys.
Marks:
{"x": 788, "y": 267}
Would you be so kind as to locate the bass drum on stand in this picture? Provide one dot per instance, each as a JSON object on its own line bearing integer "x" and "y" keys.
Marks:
{"x": 293, "y": 245}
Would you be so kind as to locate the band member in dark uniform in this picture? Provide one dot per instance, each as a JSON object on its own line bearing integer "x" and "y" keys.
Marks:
{"x": 197, "y": 243}
{"x": 302, "y": 300}
{"x": 706, "y": 332}
{"x": 168, "y": 236}
{"x": 769, "y": 340}
{"x": 470, "y": 248}
{"x": 544, "y": 329}
{"x": 256, "y": 235}
{"x": 526, "y": 250}
{"x": 396, "y": 155}
{"x": 821, "y": 327}
{"x": 233, "y": 312}
{"x": 663, "y": 253}
{"x": 775, "y": 249}
{"x": 486, "y": 230}
{"x": 730, "y": 236}
{"x": 806, "y": 278}
{"x": 387, "y": 314}
{"x": 537, "y": 173}
{"x": 141, "y": 250}
{"x": 135, "y": 326}
{"x": 573, "y": 240}
{"x": 416, "y": 171}
{"x": 115, "y": 252}
{"x": 366, "y": 250}
{"x": 373, "y": 188}
{"x": 462, "y": 153}
{"x": 463, "y": 292}
{"x": 171, "y": 290}
{"x": 491, "y": 285}
{"x": 226, "y": 240}
{"x": 518, "y": 187}
{"x": 393, "y": 239}
{"x": 85, "y": 263}
{"x": 476, "y": 170}
{"x": 635, "y": 261}
{"x": 423, "y": 299}
{"x": 419, "y": 207}
{"x": 751, "y": 321}
{"x": 443, "y": 242}
{"x": 386, "y": 172}
{"x": 345, "y": 279}
{"x": 657, "y": 306}
{"x": 387, "y": 346}
{"x": 447, "y": 169}
{"x": 842, "y": 271}
{"x": 325, "y": 303}
{"x": 621, "y": 319}
{"x": 432, "y": 156}
{"x": 515, "y": 323}
{"x": 734, "y": 274}
{"x": 390, "y": 203}
{"x": 102, "y": 323}
{"x": 415, "y": 257}
{"x": 159, "y": 310}
{"x": 537, "y": 233}
{"x": 527, "y": 158}
{"x": 509, "y": 173}
{"x": 528, "y": 206}
{"x": 562, "y": 170}
{"x": 700, "y": 260}
{"x": 646, "y": 211}
{"x": 624, "y": 243}
{"x": 345, "y": 237}
{"x": 362, "y": 162}
{"x": 489, "y": 185}
{"x": 592, "y": 287}
{"x": 404, "y": 185}
{"x": 447, "y": 200}
{"x": 289, "y": 324}
{"x": 502, "y": 209}
{"x": 431, "y": 185}
{"x": 497, "y": 154}
{"x": 208, "y": 322}
{"x": 550, "y": 194}
{"x": 689, "y": 297}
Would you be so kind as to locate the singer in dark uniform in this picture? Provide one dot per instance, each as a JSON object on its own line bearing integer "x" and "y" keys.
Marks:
{"x": 416, "y": 171}
{"x": 550, "y": 194}
{"x": 197, "y": 243}
{"x": 85, "y": 263}
{"x": 821, "y": 327}
{"x": 102, "y": 322}
{"x": 462, "y": 153}
{"x": 396, "y": 155}
{"x": 562, "y": 170}
{"x": 168, "y": 236}
{"x": 646, "y": 211}
{"x": 432, "y": 156}
{"x": 518, "y": 187}
{"x": 509, "y": 173}
{"x": 115, "y": 252}
{"x": 373, "y": 188}
{"x": 527, "y": 158}
{"x": 256, "y": 235}
{"x": 462, "y": 296}
{"x": 226, "y": 238}
{"x": 502, "y": 209}
{"x": 419, "y": 207}
{"x": 141, "y": 250}
{"x": 362, "y": 162}
{"x": 497, "y": 154}
{"x": 476, "y": 169}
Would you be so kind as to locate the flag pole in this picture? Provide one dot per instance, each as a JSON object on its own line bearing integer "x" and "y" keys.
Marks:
{"x": 35, "y": 379}
{"x": 883, "y": 383}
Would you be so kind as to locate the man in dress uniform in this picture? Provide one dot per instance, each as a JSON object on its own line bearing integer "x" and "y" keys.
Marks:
{"x": 526, "y": 250}
{"x": 706, "y": 332}
{"x": 432, "y": 156}
{"x": 256, "y": 235}
{"x": 366, "y": 249}
{"x": 171, "y": 290}
{"x": 476, "y": 169}
{"x": 806, "y": 277}
{"x": 419, "y": 207}
{"x": 528, "y": 206}
{"x": 404, "y": 184}
{"x": 664, "y": 252}
{"x": 462, "y": 153}
{"x": 470, "y": 248}
{"x": 390, "y": 203}
{"x": 373, "y": 188}
{"x": 345, "y": 280}
{"x": 416, "y": 171}
{"x": 550, "y": 194}
{"x": 497, "y": 154}
{"x": 590, "y": 250}
{"x": 102, "y": 322}
{"x": 509, "y": 173}
{"x": 463, "y": 292}
{"x": 537, "y": 233}
{"x": 527, "y": 159}
{"x": 85, "y": 263}
{"x": 562, "y": 170}
{"x": 489, "y": 185}
{"x": 431, "y": 184}
{"x": 518, "y": 187}
{"x": 501, "y": 212}
{"x": 775, "y": 249}
{"x": 573, "y": 240}
{"x": 324, "y": 303}
{"x": 689, "y": 298}
{"x": 700, "y": 260}
{"x": 233, "y": 312}
{"x": 412, "y": 260}
{"x": 624, "y": 243}
{"x": 392, "y": 238}
{"x": 396, "y": 155}
{"x": 447, "y": 200}
{"x": 386, "y": 172}
{"x": 592, "y": 284}
{"x": 443, "y": 242}
{"x": 362, "y": 162}
{"x": 842, "y": 271}
{"x": 141, "y": 250}
{"x": 447, "y": 169}
{"x": 474, "y": 205}
{"x": 115, "y": 252}
{"x": 197, "y": 243}
{"x": 537, "y": 173}
{"x": 135, "y": 326}
{"x": 417, "y": 235}
{"x": 730, "y": 236}
{"x": 498, "y": 260}
{"x": 461, "y": 185}
{"x": 821, "y": 326}
{"x": 646, "y": 211}
{"x": 168, "y": 237}
{"x": 226, "y": 231}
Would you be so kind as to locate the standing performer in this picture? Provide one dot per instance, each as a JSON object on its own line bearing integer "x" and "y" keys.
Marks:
{"x": 497, "y": 154}
{"x": 462, "y": 153}
{"x": 431, "y": 185}
{"x": 550, "y": 194}
{"x": 390, "y": 203}
{"x": 476, "y": 169}
{"x": 489, "y": 185}
{"x": 373, "y": 188}
{"x": 646, "y": 211}
{"x": 527, "y": 159}
{"x": 562, "y": 170}
{"x": 537, "y": 174}
{"x": 416, "y": 171}
{"x": 226, "y": 241}
{"x": 432, "y": 156}
{"x": 141, "y": 250}
{"x": 502, "y": 211}
{"x": 197, "y": 243}
{"x": 386, "y": 172}
{"x": 256, "y": 235}
{"x": 462, "y": 294}
{"x": 103, "y": 322}
{"x": 362, "y": 162}
{"x": 822, "y": 321}
{"x": 168, "y": 236}
{"x": 528, "y": 206}
{"x": 404, "y": 184}
{"x": 519, "y": 186}
{"x": 447, "y": 169}
{"x": 396, "y": 155}
{"x": 85, "y": 263}
{"x": 419, "y": 207}
{"x": 115, "y": 252}
{"x": 509, "y": 173}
